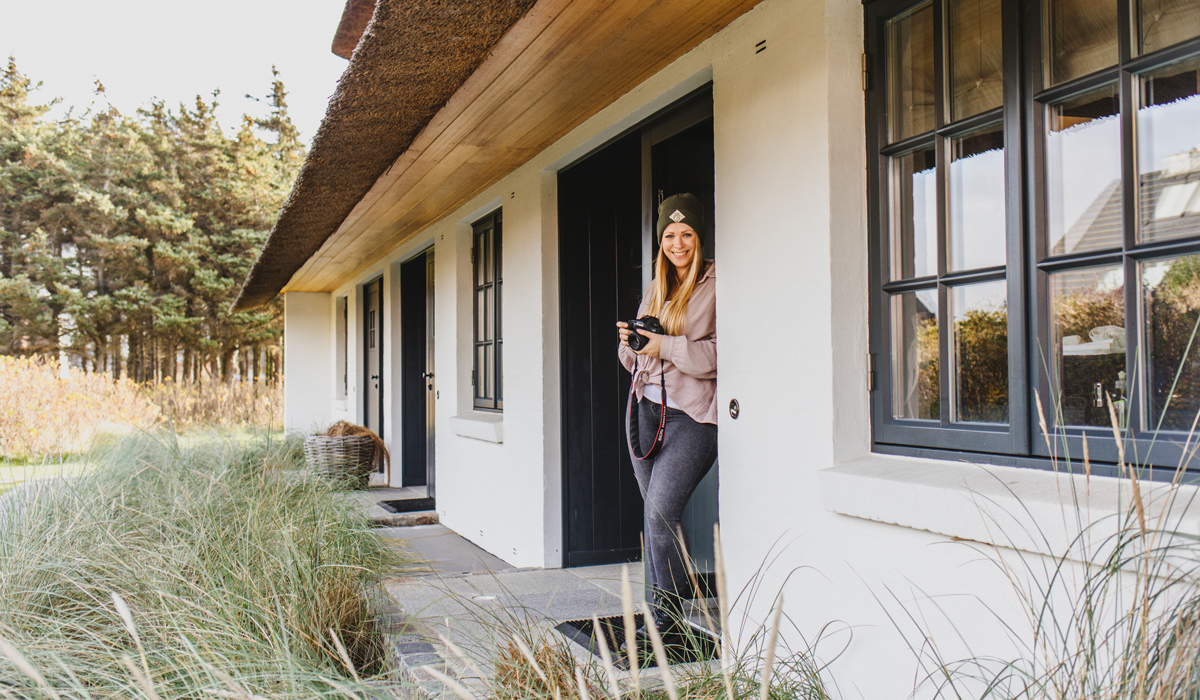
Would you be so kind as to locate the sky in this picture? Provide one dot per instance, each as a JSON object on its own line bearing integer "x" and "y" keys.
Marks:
{"x": 171, "y": 50}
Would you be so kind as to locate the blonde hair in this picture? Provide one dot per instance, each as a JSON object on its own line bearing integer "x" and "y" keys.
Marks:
{"x": 667, "y": 287}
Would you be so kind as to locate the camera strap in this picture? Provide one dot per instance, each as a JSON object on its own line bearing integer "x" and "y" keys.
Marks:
{"x": 631, "y": 419}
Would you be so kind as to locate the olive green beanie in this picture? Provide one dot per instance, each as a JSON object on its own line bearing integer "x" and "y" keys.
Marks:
{"x": 680, "y": 209}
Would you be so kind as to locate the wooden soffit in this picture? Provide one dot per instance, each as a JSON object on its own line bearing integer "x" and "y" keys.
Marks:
{"x": 558, "y": 65}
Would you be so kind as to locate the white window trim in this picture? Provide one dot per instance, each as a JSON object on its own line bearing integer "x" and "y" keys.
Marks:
{"x": 1030, "y": 510}
{"x": 480, "y": 425}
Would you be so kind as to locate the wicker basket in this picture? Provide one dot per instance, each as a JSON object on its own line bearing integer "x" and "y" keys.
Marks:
{"x": 347, "y": 460}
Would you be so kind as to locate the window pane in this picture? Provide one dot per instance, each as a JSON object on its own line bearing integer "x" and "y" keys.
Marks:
{"x": 479, "y": 370}
{"x": 499, "y": 371}
{"x": 1083, "y": 173}
{"x": 481, "y": 315}
{"x": 487, "y": 257}
{"x": 489, "y": 313}
{"x": 1166, "y": 22}
{"x": 976, "y": 57}
{"x": 1168, "y": 147}
{"x": 1087, "y": 310}
{"x": 478, "y": 252}
{"x": 981, "y": 352}
{"x": 910, "y": 85}
{"x": 915, "y": 389}
{"x": 489, "y": 375}
{"x": 1081, "y": 38}
{"x": 914, "y": 215}
{"x": 976, "y": 194}
{"x": 1171, "y": 290}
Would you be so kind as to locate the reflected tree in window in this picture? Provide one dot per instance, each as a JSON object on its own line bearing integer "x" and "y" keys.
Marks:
{"x": 1172, "y": 294}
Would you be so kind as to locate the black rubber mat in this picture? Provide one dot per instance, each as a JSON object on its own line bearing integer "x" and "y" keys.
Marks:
{"x": 408, "y": 505}
{"x": 700, "y": 646}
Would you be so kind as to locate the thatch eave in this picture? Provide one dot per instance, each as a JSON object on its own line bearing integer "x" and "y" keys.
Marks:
{"x": 412, "y": 57}
{"x": 353, "y": 25}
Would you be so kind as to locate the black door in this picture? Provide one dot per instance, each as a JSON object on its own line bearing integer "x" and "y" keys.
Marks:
{"x": 600, "y": 253}
{"x": 606, "y": 210}
{"x": 416, "y": 367}
{"x": 373, "y": 349}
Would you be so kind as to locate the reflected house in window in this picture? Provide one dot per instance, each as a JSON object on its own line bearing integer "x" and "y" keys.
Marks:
{"x": 1170, "y": 198}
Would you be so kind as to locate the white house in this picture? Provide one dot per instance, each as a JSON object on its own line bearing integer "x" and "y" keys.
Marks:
{"x": 929, "y": 216}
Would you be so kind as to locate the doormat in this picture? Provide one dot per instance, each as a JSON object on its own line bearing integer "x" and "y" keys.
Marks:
{"x": 700, "y": 646}
{"x": 408, "y": 505}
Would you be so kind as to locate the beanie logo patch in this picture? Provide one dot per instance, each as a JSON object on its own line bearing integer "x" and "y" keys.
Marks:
{"x": 677, "y": 216}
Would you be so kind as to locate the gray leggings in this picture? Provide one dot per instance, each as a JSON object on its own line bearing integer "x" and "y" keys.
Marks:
{"x": 667, "y": 482}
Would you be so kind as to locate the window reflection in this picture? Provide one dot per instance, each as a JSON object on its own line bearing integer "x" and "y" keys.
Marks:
{"x": 980, "y": 352}
{"x": 1171, "y": 294}
{"x": 1168, "y": 139}
{"x": 910, "y": 53}
{"x": 1087, "y": 310}
{"x": 1166, "y": 22}
{"x": 914, "y": 215}
{"x": 976, "y": 199}
{"x": 1081, "y": 38}
{"x": 1083, "y": 173}
{"x": 915, "y": 377}
{"x": 976, "y": 57}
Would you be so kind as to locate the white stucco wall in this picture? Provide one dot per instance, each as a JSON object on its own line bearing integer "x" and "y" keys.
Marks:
{"x": 791, "y": 209}
{"x": 308, "y": 360}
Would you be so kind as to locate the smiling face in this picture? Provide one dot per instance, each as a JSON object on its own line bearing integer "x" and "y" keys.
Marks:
{"x": 679, "y": 245}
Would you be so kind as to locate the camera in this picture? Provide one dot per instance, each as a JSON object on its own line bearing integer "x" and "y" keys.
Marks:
{"x": 637, "y": 341}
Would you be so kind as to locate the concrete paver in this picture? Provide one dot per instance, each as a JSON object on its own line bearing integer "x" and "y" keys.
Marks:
{"x": 458, "y": 591}
{"x": 445, "y": 552}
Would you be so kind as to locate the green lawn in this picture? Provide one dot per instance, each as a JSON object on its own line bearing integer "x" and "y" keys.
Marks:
{"x": 13, "y": 473}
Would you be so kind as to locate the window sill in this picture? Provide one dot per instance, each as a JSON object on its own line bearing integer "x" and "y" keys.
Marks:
{"x": 479, "y": 425}
{"x": 1026, "y": 509}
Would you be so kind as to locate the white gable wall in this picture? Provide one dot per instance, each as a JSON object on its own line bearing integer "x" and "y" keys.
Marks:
{"x": 308, "y": 360}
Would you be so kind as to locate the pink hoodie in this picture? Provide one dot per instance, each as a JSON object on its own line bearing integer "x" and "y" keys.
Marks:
{"x": 690, "y": 359}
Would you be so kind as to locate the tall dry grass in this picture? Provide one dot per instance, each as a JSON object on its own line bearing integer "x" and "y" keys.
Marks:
{"x": 1115, "y": 615}
{"x": 46, "y": 413}
{"x": 215, "y": 570}
{"x": 208, "y": 405}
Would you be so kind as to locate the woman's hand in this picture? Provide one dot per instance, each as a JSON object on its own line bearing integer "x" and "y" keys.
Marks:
{"x": 653, "y": 340}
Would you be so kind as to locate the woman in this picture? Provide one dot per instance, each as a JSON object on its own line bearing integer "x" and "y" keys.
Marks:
{"x": 680, "y": 368}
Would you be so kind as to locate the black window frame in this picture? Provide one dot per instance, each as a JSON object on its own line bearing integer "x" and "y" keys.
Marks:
{"x": 1021, "y": 442}
{"x": 489, "y": 375}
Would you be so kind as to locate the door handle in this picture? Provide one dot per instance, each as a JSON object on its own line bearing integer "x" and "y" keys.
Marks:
{"x": 374, "y": 376}
{"x": 427, "y": 375}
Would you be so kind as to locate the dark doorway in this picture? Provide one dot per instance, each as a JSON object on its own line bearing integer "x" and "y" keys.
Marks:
{"x": 600, "y": 255}
{"x": 373, "y": 350}
{"x": 416, "y": 367}
{"x": 606, "y": 209}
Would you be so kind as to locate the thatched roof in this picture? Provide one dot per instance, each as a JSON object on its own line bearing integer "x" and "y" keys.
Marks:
{"x": 413, "y": 56}
{"x": 354, "y": 22}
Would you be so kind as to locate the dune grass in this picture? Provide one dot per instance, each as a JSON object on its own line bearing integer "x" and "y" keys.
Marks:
{"x": 1114, "y": 616}
{"x": 215, "y": 568}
